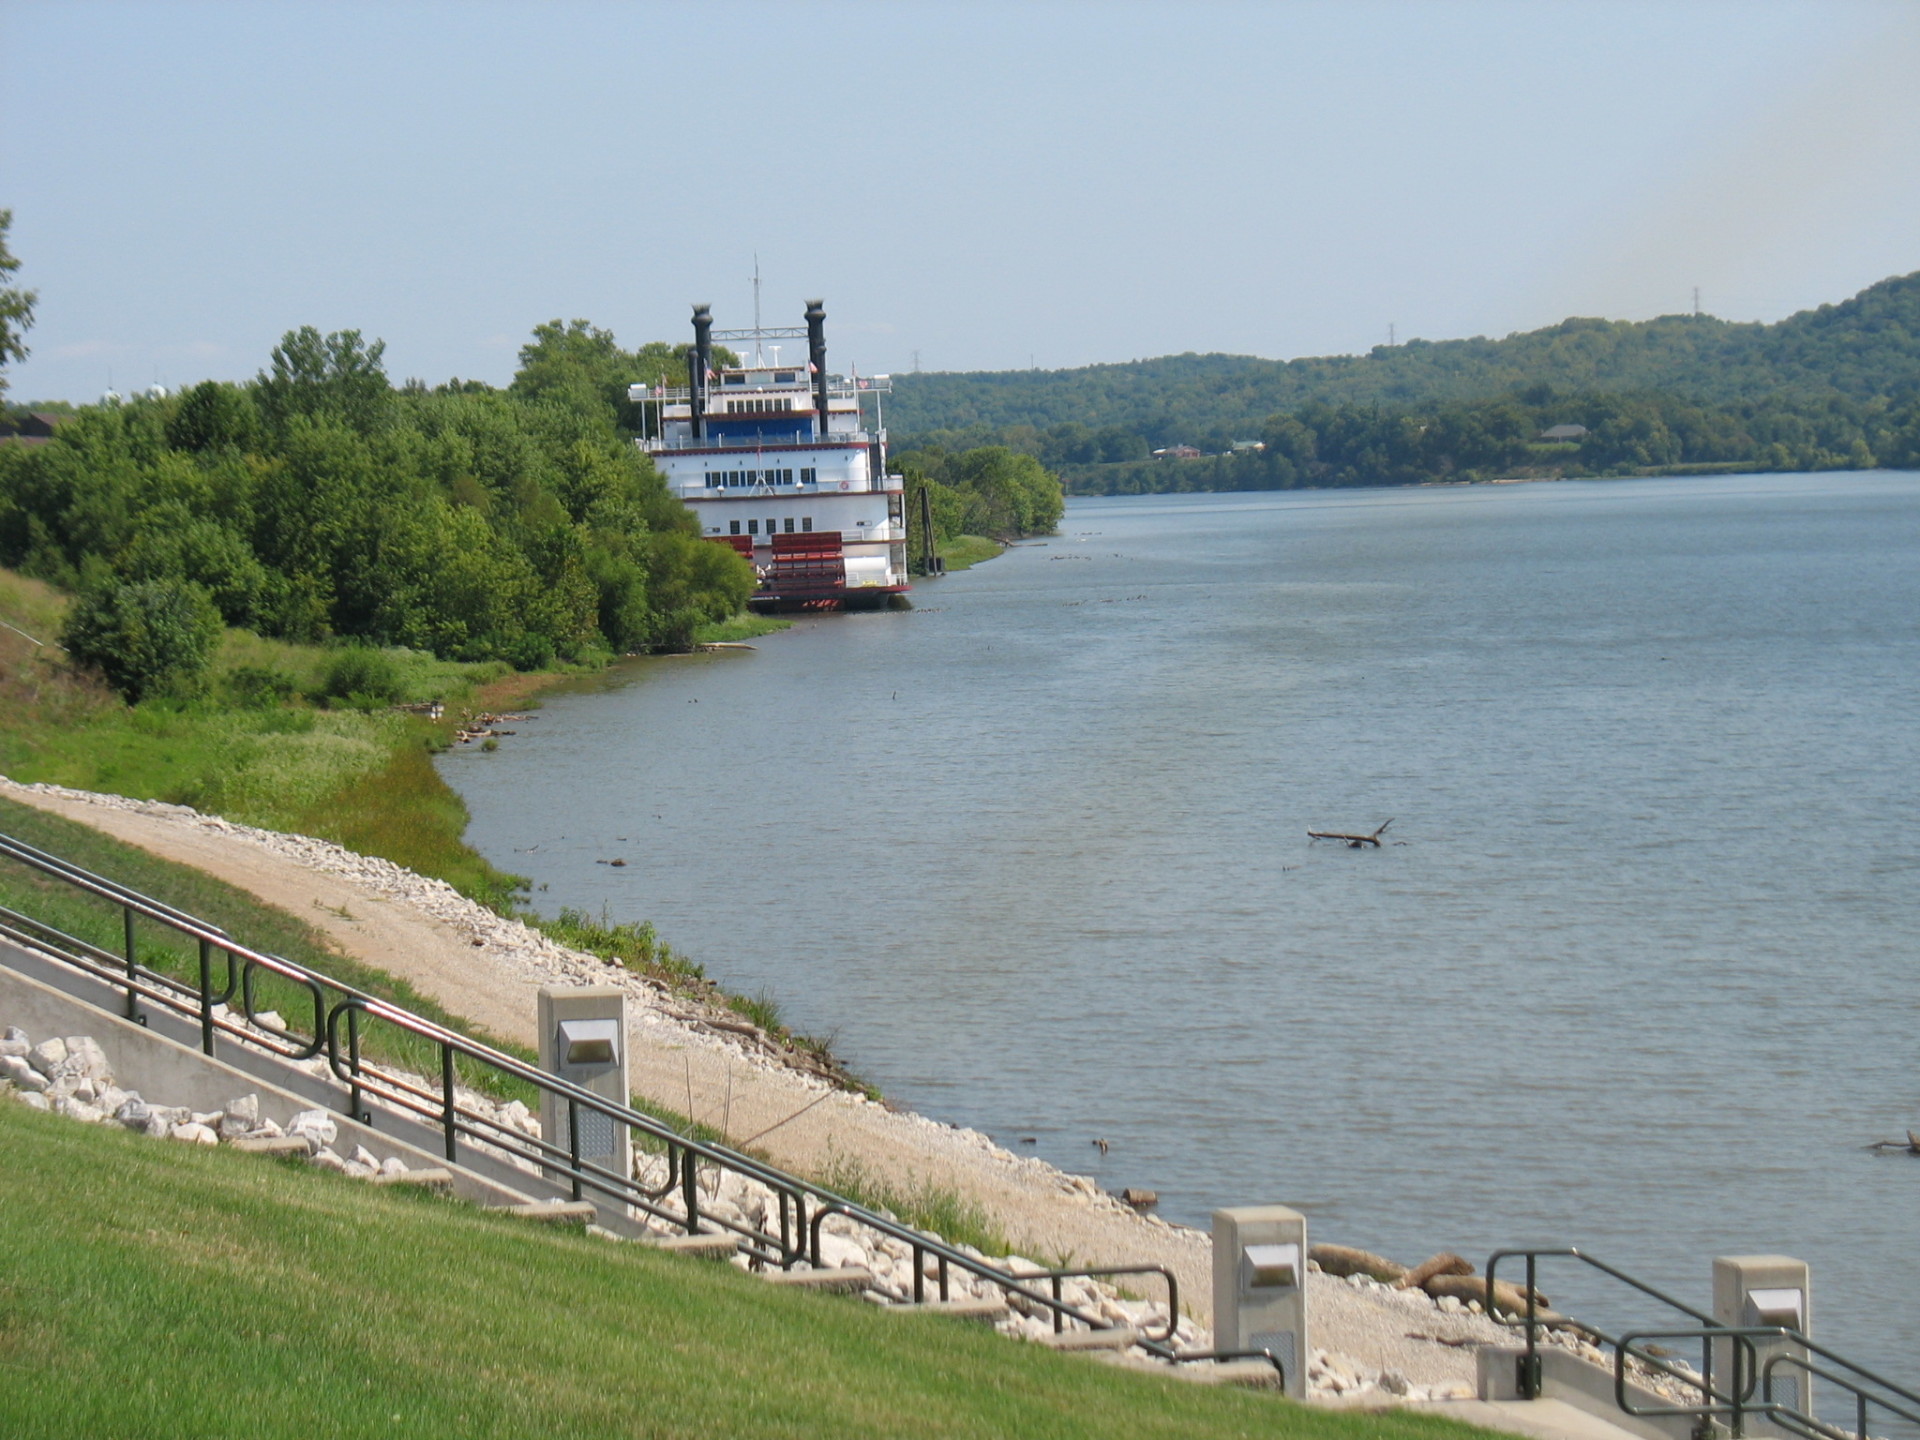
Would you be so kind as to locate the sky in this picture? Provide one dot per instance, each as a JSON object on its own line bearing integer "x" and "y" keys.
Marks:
{"x": 968, "y": 185}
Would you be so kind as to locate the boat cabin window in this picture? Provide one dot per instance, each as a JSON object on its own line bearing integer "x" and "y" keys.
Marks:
{"x": 806, "y": 522}
{"x": 733, "y": 527}
{"x": 785, "y": 377}
{"x": 753, "y": 527}
{"x": 771, "y": 526}
{"x": 733, "y": 379}
{"x": 807, "y": 475}
{"x": 789, "y": 525}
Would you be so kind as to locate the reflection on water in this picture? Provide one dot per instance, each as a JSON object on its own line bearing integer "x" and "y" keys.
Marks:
{"x": 1638, "y": 971}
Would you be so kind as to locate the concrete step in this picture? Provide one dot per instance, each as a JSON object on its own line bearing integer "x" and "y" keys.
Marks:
{"x": 988, "y": 1310}
{"x": 269, "y": 1145}
{"x": 1118, "y": 1337}
{"x": 1535, "y": 1419}
{"x": 707, "y": 1247}
{"x": 551, "y": 1212}
{"x": 1256, "y": 1374}
{"x": 438, "y": 1179}
{"x": 850, "y": 1278}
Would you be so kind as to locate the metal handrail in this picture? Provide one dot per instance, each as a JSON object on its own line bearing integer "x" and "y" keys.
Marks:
{"x": 1757, "y": 1375}
{"x": 1737, "y": 1401}
{"x": 1529, "y": 1365}
{"x": 338, "y": 1036}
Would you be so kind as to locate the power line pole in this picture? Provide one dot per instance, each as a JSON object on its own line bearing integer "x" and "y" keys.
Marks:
{"x": 1392, "y": 336}
{"x": 1696, "y": 301}
{"x": 916, "y": 362}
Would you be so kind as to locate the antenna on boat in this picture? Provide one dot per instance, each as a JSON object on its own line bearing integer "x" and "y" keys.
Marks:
{"x": 757, "y": 360}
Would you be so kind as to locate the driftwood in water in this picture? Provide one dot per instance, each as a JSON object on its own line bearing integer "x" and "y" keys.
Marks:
{"x": 1910, "y": 1147}
{"x": 1352, "y": 842}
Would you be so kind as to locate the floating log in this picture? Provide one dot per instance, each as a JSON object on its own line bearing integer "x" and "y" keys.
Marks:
{"x": 1352, "y": 842}
{"x": 1911, "y": 1146}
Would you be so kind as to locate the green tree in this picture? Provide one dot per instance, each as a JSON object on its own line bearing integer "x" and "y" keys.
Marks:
{"x": 336, "y": 376}
{"x": 16, "y": 306}
{"x": 214, "y": 416}
{"x": 147, "y": 637}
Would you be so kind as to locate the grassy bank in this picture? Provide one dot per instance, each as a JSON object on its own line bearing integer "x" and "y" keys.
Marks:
{"x": 161, "y": 1289}
{"x": 965, "y": 550}
{"x": 741, "y": 627}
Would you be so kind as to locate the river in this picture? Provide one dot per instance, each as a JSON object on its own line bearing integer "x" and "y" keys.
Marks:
{"x": 1637, "y": 972}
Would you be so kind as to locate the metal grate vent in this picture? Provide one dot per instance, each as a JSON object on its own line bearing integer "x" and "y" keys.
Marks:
{"x": 596, "y": 1134}
{"x": 1281, "y": 1343}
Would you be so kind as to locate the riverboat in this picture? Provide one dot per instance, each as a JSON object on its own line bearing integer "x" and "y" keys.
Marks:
{"x": 785, "y": 464}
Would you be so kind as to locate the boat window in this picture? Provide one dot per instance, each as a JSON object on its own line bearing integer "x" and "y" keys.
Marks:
{"x": 786, "y": 477}
{"x": 770, "y": 527}
{"x": 733, "y": 379}
{"x": 733, "y": 527}
{"x": 753, "y": 527}
{"x": 807, "y": 475}
{"x": 806, "y": 522}
{"x": 789, "y": 525}
{"x": 784, "y": 377}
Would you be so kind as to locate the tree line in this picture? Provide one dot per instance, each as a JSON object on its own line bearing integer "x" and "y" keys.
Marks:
{"x": 1855, "y": 364}
{"x": 321, "y": 501}
{"x": 1323, "y": 445}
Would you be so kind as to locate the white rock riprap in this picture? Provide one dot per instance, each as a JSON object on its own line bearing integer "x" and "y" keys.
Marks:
{"x": 71, "y": 1076}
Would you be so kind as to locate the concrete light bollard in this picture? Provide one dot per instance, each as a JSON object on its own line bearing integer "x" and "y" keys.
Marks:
{"x": 583, "y": 1039}
{"x": 1766, "y": 1290}
{"x": 1260, "y": 1286}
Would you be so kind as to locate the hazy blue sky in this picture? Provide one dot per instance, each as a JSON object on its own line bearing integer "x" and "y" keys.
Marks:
{"x": 985, "y": 184}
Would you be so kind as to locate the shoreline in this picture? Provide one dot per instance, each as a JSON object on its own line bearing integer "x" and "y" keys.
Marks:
{"x": 1372, "y": 1342}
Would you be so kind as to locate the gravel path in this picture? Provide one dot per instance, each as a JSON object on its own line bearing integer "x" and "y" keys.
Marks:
{"x": 487, "y": 969}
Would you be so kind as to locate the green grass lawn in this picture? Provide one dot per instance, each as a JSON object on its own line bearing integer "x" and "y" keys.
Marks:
{"x": 153, "y": 1289}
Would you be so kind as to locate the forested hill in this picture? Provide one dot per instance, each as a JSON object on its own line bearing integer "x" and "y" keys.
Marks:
{"x": 1864, "y": 348}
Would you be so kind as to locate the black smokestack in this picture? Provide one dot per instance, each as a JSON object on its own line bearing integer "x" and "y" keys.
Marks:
{"x": 699, "y": 362}
{"x": 817, "y": 356}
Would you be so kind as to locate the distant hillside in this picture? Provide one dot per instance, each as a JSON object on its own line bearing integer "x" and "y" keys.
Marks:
{"x": 1866, "y": 348}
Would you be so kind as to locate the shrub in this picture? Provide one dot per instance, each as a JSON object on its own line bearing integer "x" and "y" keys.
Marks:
{"x": 258, "y": 686}
{"x": 147, "y": 637}
{"x": 363, "y": 675}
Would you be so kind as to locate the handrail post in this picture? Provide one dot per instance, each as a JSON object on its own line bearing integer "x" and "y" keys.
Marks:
{"x": 133, "y": 964}
{"x": 919, "y": 1276}
{"x": 206, "y": 997}
{"x": 353, "y": 1062}
{"x": 573, "y": 1143}
{"x": 1059, "y": 1321}
{"x": 690, "y": 1193}
{"x": 1738, "y": 1348}
{"x": 447, "y": 1106}
{"x": 1530, "y": 1363}
{"x": 943, "y": 1278}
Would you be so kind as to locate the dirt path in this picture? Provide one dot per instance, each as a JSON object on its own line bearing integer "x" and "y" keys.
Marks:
{"x": 791, "y": 1117}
